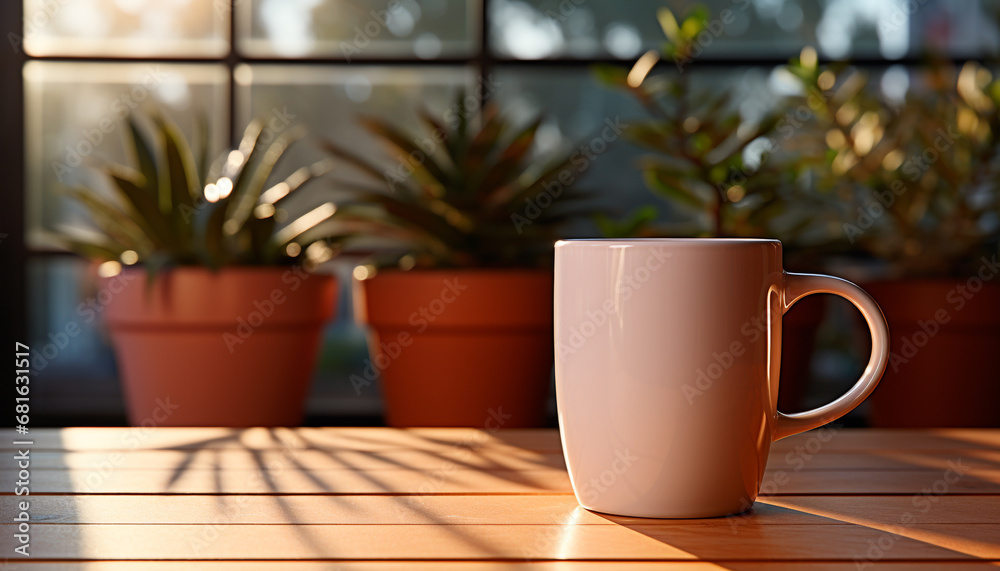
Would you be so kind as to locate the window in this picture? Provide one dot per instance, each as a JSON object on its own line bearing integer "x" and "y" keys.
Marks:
{"x": 79, "y": 66}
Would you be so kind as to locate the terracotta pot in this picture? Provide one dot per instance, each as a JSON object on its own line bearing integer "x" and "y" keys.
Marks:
{"x": 232, "y": 348}
{"x": 942, "y": 368}
{"x": 461, "y": 347}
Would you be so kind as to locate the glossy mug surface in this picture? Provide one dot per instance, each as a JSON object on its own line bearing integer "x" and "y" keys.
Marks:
{"x": 667, "y": 368}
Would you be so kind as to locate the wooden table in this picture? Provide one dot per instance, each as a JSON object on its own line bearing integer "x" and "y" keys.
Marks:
{"x": 377, "y": 498}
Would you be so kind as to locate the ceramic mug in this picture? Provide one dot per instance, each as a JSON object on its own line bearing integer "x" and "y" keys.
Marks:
{"x": 667, "y": 362}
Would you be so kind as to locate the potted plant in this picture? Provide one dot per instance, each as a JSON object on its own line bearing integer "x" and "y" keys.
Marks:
{"x": 460, "y": 315}
{"x": 916, "y": 180}
{"x": 728, "y": 176}
{"x": 215, "y": 318}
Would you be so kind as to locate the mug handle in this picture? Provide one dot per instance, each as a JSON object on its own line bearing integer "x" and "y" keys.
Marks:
{"x": 798, "y": 286}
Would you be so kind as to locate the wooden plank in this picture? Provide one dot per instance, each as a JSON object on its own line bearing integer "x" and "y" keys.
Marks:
{"x": 292, "y": 480}
{"x": 234, "y": 459}
{"x": 491, "y": 566}
{"x": 484, "y": 457}
{"x": 835, "y": 542}
{"x": 543, "y": 440}
{"x": 850, "y": 543}
{"x": 507, "y": 510}
{"x": 893, "y": 510}
{"x": 933, "y": 482}
{"x": 857, "y": 439}
{"x": 882, "y": 460}
{"x": 367, "y": 439}
{"x": 451, "y": 479}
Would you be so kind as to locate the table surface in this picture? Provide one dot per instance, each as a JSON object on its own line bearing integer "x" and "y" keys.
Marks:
{"x": 312, "y": 499}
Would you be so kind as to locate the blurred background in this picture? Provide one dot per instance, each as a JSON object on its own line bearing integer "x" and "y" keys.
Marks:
{"x": 72, "y": 69}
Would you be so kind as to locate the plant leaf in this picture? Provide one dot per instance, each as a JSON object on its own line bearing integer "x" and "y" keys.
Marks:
{"x": 368, "y": 168}
{"x": 483, "y": 143}
{"x": 115, "y": 223}
{"x": 147, "y": 213}
{"x": 610, "y": 74}
{"x": 428, "y": 171}
{"x": 297, "y": 179}
{"x": 507, "y": 167}
{"x": 145, "y": 156}
{"x": 671, "y": 187}
{"x": 250, "y": 184}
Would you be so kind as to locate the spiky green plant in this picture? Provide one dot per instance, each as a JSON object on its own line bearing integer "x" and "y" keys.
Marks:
{"x": 459, "y": 196}
{"x": 171, "y": 208}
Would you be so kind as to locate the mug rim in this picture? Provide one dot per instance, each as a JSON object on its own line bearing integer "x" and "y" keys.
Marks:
{"x": 672, "y": 241}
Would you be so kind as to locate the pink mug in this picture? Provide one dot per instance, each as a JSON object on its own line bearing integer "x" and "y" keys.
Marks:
{"x": 667, "y": 360}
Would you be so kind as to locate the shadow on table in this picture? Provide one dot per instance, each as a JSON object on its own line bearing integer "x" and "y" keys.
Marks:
{"x": 285, "y": 462}
{"x": 942, "y": 515}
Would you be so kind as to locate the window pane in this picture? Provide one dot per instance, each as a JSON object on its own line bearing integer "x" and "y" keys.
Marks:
{"x": 538, "y": 29}
{"x": 329, "y": 100}
{"x": 424, "y": 29}
{"x": 595, "y": 120}
{"x": 74, "y": 113}
{"x": 127, "y": 28}
{"x": 343, "y": 353}
{"x": 72, "y": 361}
{"x": 604, "y": 166}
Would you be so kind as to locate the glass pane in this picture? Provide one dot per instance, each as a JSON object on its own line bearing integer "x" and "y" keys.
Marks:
{"x": 424, "y": 29}
{"x": 603, "y": 164}
{"x": 127, "y": 28}
{"x": 329, "y": 99}
{"x": 72, "y": 362}
{"x": 343, "y": 353}
{"x": 74, "y": 113}
{"x": 538, "y": 29}
{"x": 595, "y": 121}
